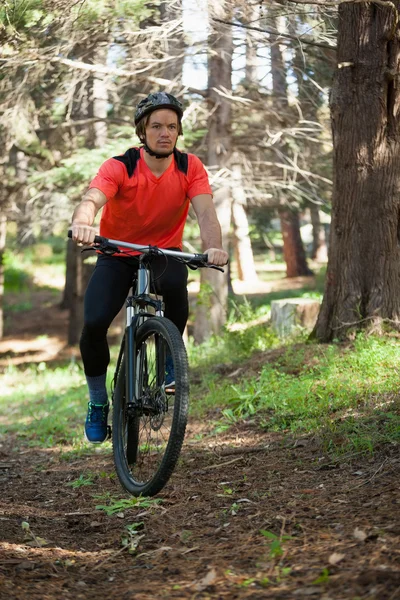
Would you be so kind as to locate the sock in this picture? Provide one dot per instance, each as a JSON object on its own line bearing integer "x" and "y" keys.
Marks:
{"x": 97, "y": 389}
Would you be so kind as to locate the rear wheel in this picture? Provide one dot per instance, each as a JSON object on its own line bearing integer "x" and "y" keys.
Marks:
{"x": 148, "y": 435}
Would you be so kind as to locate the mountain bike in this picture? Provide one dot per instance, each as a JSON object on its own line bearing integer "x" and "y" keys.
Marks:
{"x": 149, "y": 417}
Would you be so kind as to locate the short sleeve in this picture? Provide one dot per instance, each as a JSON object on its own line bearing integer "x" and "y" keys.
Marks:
{"x": 198, "y": 178}
{"x": 109, "y": 178}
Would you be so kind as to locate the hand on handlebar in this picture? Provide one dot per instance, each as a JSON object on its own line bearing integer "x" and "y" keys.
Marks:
{"x": 217, "y": 256}
{"x": 83, "y": 234}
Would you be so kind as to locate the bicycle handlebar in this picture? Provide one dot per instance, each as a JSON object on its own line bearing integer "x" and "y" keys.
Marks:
{"x": 199, "y": 260}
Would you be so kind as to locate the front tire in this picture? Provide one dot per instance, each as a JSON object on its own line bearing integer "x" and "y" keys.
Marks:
{"x": 147, "y": 438}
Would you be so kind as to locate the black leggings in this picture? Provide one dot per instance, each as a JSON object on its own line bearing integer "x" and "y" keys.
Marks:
{"x": 106, "y": 293}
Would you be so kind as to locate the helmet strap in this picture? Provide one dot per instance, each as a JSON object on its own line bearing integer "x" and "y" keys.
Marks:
{"x": 155, "y": 154}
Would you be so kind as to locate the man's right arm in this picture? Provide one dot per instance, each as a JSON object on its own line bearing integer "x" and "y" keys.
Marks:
{"x": 84, "y": 216}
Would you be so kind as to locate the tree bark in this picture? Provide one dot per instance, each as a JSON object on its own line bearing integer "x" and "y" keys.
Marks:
{"x": 77, "y": 271}
{"x": 293, "y": 249}
{"x": 3, "y": 230}
{"x": 363, "y": 277}
{"x": 19, "y": 161}
{"x": 241, "y": 234}
{"x": 319, "y": 247}
{"x": 98, "y": 101}
{"x": 67, "y": 298}
{"x": 174, "y": 45}
{"x": 211, "y": 309}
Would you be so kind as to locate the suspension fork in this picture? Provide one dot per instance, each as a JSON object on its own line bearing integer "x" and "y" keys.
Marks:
{"x": 133, "y": 320}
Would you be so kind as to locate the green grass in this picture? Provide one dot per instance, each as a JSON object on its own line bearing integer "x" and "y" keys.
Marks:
{"x": 348, "y": 394}
{"x": 45, "y": 406}
{"x": 345, "y": 395}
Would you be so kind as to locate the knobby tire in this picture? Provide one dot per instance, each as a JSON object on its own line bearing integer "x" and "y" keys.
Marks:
{"x": 126, "y": 431}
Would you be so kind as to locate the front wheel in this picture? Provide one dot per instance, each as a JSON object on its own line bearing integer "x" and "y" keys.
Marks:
{"x": 148, "y": 434}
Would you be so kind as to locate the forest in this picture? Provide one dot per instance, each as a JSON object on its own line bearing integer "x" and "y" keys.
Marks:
{"x": 287, "y": 484}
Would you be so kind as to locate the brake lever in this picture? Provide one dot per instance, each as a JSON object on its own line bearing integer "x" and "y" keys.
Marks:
{"x": 107, "y": 249}
{"x": 216, "y": 268}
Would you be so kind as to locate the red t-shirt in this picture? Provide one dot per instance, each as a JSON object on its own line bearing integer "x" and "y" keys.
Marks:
{"x": 145, "y": 209}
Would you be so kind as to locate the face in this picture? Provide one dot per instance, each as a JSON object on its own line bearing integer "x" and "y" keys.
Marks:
{"x": 162, "y": 131}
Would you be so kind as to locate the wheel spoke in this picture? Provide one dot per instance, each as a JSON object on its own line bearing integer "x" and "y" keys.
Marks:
{"x": 147, "y": 437}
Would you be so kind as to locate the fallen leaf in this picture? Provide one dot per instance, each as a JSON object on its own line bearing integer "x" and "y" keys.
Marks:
{"x": 157, "y": 551}
{"x": 25, "y": 566}
{"x": 360, "y": 535}
{"x": 207, "y": 580}
{"x": 190, "y": 550}
{"x": 335, "y": 558}
{"x": 307, "y": 591}
{"x": 38, "y": 542}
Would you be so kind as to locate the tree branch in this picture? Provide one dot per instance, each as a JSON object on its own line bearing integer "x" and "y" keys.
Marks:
{"x": 279, "y": 35}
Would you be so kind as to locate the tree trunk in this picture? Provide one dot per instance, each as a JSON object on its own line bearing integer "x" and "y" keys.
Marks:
{"x": 77, "y": 271}
{"x": 67, "y": 298}
{"x": 293, "y": 249}
{"x": 80, "y": 274}
{"x": 76, "y": 292}
{"x": 212, "y": 306}
{"x": 251, "y": 15}
{"x": 98, "y": 101}
{"x": 243, "y": 250}
{"x": 3, "y": 230}
{"x": 174, "y": 45}
{"x": 278, "y": 67}
{"x": 363, "y": 277}
{"x": 319, "y": 247}
{"x": 19, "y": 161}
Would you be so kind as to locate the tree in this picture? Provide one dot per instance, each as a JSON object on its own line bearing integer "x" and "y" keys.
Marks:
{"x": 212, "y": 306}
{"x": 363, "y": 277}
{"x": 293, "y": 249}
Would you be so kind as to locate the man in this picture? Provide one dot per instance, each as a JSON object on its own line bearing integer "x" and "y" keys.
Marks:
{"x": 145, "y": 195}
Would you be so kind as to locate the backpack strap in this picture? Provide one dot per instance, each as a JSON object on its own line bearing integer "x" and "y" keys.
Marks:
{"x": 131, "y": 156}
{"x": 182, "y": 161}
{"x": 129, "y": 159}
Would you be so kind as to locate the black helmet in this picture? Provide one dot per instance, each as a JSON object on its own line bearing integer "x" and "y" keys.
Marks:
{"x": 156, "y": 101}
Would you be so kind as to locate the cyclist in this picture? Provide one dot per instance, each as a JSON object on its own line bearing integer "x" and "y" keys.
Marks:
{"x": 145, "y": 196}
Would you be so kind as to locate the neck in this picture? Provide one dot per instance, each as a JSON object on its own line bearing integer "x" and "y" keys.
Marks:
{"x": 157, "y": 165}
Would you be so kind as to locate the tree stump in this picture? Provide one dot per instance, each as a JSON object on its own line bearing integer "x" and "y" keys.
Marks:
{"x": 289, "y": 314}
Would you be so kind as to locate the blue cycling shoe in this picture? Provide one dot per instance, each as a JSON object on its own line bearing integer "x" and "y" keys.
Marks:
{"x": 96, "y": 429}
{"x": 169, "y": 374}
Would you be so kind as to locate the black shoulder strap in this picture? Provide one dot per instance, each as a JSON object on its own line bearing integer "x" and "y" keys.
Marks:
{"x": 129, "y": 159}
{"x": 182, "y": 160}
{"x": 132, "y": 155}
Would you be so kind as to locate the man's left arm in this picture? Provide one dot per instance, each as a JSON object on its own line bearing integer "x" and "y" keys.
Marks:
{"x": 210, "y": 229}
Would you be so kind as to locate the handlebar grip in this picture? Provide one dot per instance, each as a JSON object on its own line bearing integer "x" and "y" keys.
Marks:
{"x": 98, "y": 239}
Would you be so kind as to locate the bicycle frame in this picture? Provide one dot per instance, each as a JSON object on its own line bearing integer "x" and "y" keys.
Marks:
{"x": 136, "y": 313}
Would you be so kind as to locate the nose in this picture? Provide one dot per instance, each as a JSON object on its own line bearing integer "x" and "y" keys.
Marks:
{"x": 165, "y": 132}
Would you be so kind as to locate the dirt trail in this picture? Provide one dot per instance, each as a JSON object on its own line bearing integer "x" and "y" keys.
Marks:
{"x": 336, "y": 525}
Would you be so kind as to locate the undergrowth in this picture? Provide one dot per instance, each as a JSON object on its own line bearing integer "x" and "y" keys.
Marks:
{"x": 344, "y": 394}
